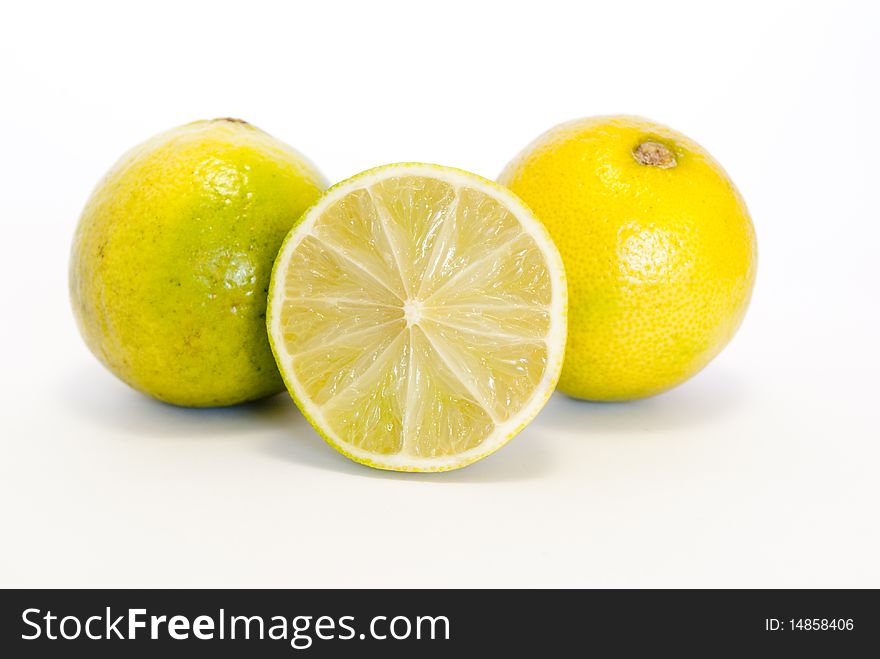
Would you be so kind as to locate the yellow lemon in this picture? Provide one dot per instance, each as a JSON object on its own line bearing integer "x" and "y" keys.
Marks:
{"x": 172, "y": 257}
{"x": 658, "y": 247}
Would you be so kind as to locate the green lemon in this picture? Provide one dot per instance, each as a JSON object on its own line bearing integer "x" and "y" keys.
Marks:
{"x": 171, "y": 261}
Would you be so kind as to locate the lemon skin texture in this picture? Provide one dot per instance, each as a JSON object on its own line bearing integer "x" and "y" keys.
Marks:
{"x": 172, "y": 256}
{"x": 658, "y": 247}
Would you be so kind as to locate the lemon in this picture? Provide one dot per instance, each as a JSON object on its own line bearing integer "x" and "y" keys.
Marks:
{"x": 658, "y": 246}
{"x": 417, "y": 314}
{"x": 172, "y": 256}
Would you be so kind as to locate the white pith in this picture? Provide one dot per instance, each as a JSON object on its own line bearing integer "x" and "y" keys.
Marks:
{"x": 413, "y": 308}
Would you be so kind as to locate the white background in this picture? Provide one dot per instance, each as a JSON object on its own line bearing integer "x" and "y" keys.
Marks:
{"x": 761, "y": 471}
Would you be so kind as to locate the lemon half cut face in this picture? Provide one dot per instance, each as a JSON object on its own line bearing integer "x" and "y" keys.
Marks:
{"x": 418, "y": 315}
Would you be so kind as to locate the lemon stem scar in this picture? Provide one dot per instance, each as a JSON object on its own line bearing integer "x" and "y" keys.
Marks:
{"x": 655, "y": 154}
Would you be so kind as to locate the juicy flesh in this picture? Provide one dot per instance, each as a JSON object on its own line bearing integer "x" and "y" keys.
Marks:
{"x": 415, "y": 315}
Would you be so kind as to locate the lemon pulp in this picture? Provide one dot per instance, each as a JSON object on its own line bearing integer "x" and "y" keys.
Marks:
{"x": 417, "y": 314}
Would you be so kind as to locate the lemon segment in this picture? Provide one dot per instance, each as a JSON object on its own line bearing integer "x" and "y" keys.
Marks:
{"x": 417, "y": 315}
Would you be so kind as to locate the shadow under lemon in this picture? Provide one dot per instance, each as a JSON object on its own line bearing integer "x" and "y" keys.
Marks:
{"x": 712, "y": 394}
{"x": 108, "y": 402}
{"x": 278, "y": 429}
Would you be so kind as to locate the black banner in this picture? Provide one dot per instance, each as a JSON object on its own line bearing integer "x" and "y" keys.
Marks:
{"x": 422, "y": 623}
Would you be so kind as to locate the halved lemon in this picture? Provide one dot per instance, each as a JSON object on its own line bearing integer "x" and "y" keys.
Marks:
{"x": 418, "y": 316}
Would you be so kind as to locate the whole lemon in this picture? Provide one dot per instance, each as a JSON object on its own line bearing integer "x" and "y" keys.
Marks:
{"x": 657, "y": 244}
{"x": 172, "y": 256}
